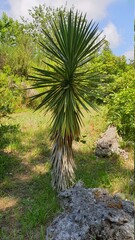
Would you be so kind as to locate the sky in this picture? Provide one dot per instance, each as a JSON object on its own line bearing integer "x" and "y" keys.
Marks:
{"x": 115, "y": 18}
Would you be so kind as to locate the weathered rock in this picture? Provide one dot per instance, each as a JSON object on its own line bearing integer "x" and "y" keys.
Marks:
{"x": 109, "y": 144}
{"x": 92, "y": 214}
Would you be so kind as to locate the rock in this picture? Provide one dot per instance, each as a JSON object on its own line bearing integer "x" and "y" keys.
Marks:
{"x": 92, "y": 214}
{"x": 109, "y": 144}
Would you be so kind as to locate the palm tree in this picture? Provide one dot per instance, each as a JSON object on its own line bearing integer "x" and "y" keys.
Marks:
{"x": 70, "y": 43}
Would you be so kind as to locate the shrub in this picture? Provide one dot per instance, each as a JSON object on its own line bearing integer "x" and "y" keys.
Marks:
{"x": 121, "y": 104}
{"x": 11, "y": 93}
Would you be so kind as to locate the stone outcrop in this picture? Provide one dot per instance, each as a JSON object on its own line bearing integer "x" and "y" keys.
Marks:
{"x": 109, "y": 144}
{"x": 92, "y": 214}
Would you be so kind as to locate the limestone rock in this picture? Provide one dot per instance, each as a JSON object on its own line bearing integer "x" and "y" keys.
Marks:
{"x": 92, "y": 214}
{"x": 109, "y": 143}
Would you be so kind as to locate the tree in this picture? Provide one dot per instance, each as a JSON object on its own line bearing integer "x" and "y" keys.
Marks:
{"x": 110, "y": 68}
{"x": 72, "y": 43}
{"x": 16, "y": 46}
{"x": 40, "y": 17}
{"x": 121, "y": 104}
{"x": 9, "y": 30}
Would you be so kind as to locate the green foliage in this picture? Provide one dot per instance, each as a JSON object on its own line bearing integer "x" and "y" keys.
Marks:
{"x": 9, "y": 30}
{"x": 20, "y": 56}
{"x": 40, "y": 19}
{"x": 110, "y": 68}
{"x": 24, "y": 143}
{"x": 74, "y": 45}
{"x": 16, "y": 46}
{"x": 7, "y": 133}
{"x": 66, "y": 84}
{"x": 121, "y": 104}
{"x": 111, "y": 64}
{"x": 11, "y": 92}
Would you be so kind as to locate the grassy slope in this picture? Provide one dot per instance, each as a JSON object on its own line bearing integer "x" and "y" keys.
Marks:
{"x": 27, "y": 201}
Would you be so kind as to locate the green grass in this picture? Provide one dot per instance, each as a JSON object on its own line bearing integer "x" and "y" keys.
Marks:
{"x": 27, "y": 201}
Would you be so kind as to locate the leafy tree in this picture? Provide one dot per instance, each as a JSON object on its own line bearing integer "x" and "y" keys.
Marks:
{"x": 8, "y": 33}
{"x": 16, "y": 46}
{"x": 40, "y": 17}
{"x": 121, "y": 104}
{"x": 9, "y": 30}
{"x": 110, "y": 68}
{"x": 66, "y": 85}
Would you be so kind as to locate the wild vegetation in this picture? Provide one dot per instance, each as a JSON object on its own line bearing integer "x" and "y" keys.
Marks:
{"x": 27, "y": 201}
{"x": 71, "y": 45}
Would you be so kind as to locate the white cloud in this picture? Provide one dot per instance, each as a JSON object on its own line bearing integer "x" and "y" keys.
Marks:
{"x": 95, "y": 9}
{"x": 20, "y": 7}
{"x": 112, "y": 35}
{"x": 129, "y": 54}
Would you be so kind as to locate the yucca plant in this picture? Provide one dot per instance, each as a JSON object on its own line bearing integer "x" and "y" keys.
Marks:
{"x": 70, "y": 43}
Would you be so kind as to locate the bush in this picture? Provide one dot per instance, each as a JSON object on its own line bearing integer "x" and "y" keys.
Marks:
{"x": 11, "y": 93}
{"x": 122, "y": 104}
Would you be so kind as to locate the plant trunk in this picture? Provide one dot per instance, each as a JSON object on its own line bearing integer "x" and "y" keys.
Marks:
{"x": 62, "y": 163}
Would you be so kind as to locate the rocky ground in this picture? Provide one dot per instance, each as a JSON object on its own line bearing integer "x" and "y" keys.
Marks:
{"x": 92, "y": 214}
